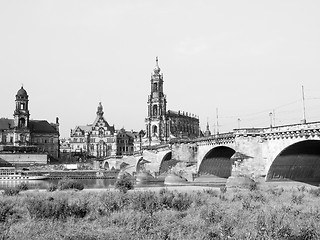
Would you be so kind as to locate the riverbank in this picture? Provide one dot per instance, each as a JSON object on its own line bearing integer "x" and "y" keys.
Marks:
{"x": 172, "y": 212}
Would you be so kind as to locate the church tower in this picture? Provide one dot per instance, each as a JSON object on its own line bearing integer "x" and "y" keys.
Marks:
{"x": 156, "y": 122}
{"x": 21, "y": 113}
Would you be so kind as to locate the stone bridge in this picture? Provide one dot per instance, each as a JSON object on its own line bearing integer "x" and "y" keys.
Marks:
{"x": 282, "y": 152}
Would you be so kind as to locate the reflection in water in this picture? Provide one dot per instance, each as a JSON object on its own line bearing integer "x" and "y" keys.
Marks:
{"x": 88, "y": 183}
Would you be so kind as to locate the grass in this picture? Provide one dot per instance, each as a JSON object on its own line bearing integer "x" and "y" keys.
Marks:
{"x": 255, "y": 213}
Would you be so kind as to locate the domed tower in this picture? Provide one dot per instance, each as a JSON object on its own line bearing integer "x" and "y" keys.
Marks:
{"x": 21, "y": 113}
{"x": 156, "y": 123}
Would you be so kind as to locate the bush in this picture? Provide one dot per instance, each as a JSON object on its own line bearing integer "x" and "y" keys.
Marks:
{"x": 253, "y": 186}
{"x": 315, "y": 192}
{"x": 67, "y": 183}
{"x": 124, "y": 183}
{"x": 6, "y": 210}
{"x": 52, "y": 187}
{"x": 11, "y": 192}
{"x": 297, "y": 199}
{"x": 23, "y": 186}
{"x": 56, "y": 208}
{"x": 211, "y": 213}
{"x": 223, "y": 190}
{"x": 145, "y": 201}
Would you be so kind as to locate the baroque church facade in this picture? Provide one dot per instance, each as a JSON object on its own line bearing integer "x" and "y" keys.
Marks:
{"x": 162, "y": 125}
{"x": 23, "y": 135}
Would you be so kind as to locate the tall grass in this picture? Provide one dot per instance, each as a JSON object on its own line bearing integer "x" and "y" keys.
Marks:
{"x": 239, "y": 214}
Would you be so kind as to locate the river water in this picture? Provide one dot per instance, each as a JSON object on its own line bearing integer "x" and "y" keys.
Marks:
{"x": 88, "y": 183}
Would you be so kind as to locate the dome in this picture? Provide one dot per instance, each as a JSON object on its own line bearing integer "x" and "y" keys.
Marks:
{"x": 22, "y": 93}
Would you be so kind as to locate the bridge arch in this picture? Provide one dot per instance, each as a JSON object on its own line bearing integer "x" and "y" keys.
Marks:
{"x": 167, "y": 163}
{"x": 105, "y": 165}
{"x": 217, "y": 161}
{"x": 298, "y": 162}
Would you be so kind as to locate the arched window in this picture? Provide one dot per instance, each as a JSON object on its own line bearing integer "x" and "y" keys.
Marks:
{"x": 154, "y": 129}
{"x": 155, "y": 110}
{"x": 22, "y": 122}
{"x": 155, "y": 87}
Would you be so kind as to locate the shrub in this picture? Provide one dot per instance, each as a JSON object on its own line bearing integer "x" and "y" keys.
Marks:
{"x": 301, "y": 188}
{"x": 308, "y": 233}
{"x": 223, "y": 190}
{"x": 211, "y": 213}
{"x": 23, "y": 186}
{"x": 175, "y": 200}
{"x": 58, "y": 209}
{"x": 253, "y": 186}
{"x": 11, "y": 191}
{"x": 213, "y": 193}
{"x": 144, "y": 201}
{"x": 276, "y": 191}
{"x": 67, "y": 183}
{"x": 181, "y": 202}
{"x": 315, "y": 192}
{"x": 6, "y": 210}
{"x": 52, "y": 187}
{"x": 124, "y": 183}
{"x": 297, "y": 199}
{"x": 284, "y": 232}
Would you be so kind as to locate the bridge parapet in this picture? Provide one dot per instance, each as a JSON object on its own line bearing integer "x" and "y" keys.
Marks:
{"x": 286, "y": 131}
{"x": 218, "y": 139}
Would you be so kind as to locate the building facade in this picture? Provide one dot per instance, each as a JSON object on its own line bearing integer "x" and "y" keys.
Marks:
{"x": 99, "y": 139}
{"x": 21, "y": 134}
{"x": 163, "y": 125}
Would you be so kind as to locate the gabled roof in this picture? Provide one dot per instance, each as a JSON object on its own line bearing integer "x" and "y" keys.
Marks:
{"x": 41, "y": 126}
{"x": 6, "y": 123}
{"x": 84, "y": 128}
{"x": 106, "y": 124}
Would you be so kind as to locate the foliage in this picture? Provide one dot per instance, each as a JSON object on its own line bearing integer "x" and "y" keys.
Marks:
{"x": 124, "y": 183}
{"x": 242, "y": 214}
{"x": 23, "y": 186}
{"x": 11, "y": 191}
{"x": 52, "y": 187}
{"x": 67, "y": 183}
{"x": 315, "y": 192}
{"x": 59, "y": 208}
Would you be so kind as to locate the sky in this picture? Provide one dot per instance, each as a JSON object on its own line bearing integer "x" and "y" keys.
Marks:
{"x": 240, "y": 59}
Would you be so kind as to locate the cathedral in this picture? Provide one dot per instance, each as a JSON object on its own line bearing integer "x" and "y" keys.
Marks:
{"x": 162, "y": 125}
{"x": 22, "y": 135}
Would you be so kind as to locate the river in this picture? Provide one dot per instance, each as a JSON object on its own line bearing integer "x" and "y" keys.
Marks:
{"x": 88, "y": 183}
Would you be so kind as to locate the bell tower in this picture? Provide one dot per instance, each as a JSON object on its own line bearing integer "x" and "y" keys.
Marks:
{"x": 21, "y": 113}
{"x": 156, "y": 122}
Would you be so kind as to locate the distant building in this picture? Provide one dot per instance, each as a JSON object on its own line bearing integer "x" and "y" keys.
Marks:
{"x": 22, "y": 135}
{"x": 100, "y": 139}
{"x": 163, "y": 125}
{"x": 125, "y": 142}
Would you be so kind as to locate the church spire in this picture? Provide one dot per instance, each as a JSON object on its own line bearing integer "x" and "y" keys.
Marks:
{"x": 207, "y": 132}
{"x": 157, "y": 68}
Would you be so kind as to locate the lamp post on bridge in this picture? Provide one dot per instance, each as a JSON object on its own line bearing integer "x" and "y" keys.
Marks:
{"x": 270, "y": 115}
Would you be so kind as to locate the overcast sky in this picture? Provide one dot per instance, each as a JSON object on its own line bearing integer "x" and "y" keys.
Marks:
{"x": 246, "y": 58}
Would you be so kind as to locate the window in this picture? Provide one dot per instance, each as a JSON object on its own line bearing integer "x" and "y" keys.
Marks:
{"x": 155, "y": 110}
{"x": 154, "y": 129}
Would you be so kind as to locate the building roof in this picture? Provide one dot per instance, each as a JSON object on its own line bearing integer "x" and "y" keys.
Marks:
{"x": 22, "y": 92}
{"x": 41, "y": 126}
{"x": 6, "y": 123}
{"x": 181, "y": 114}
